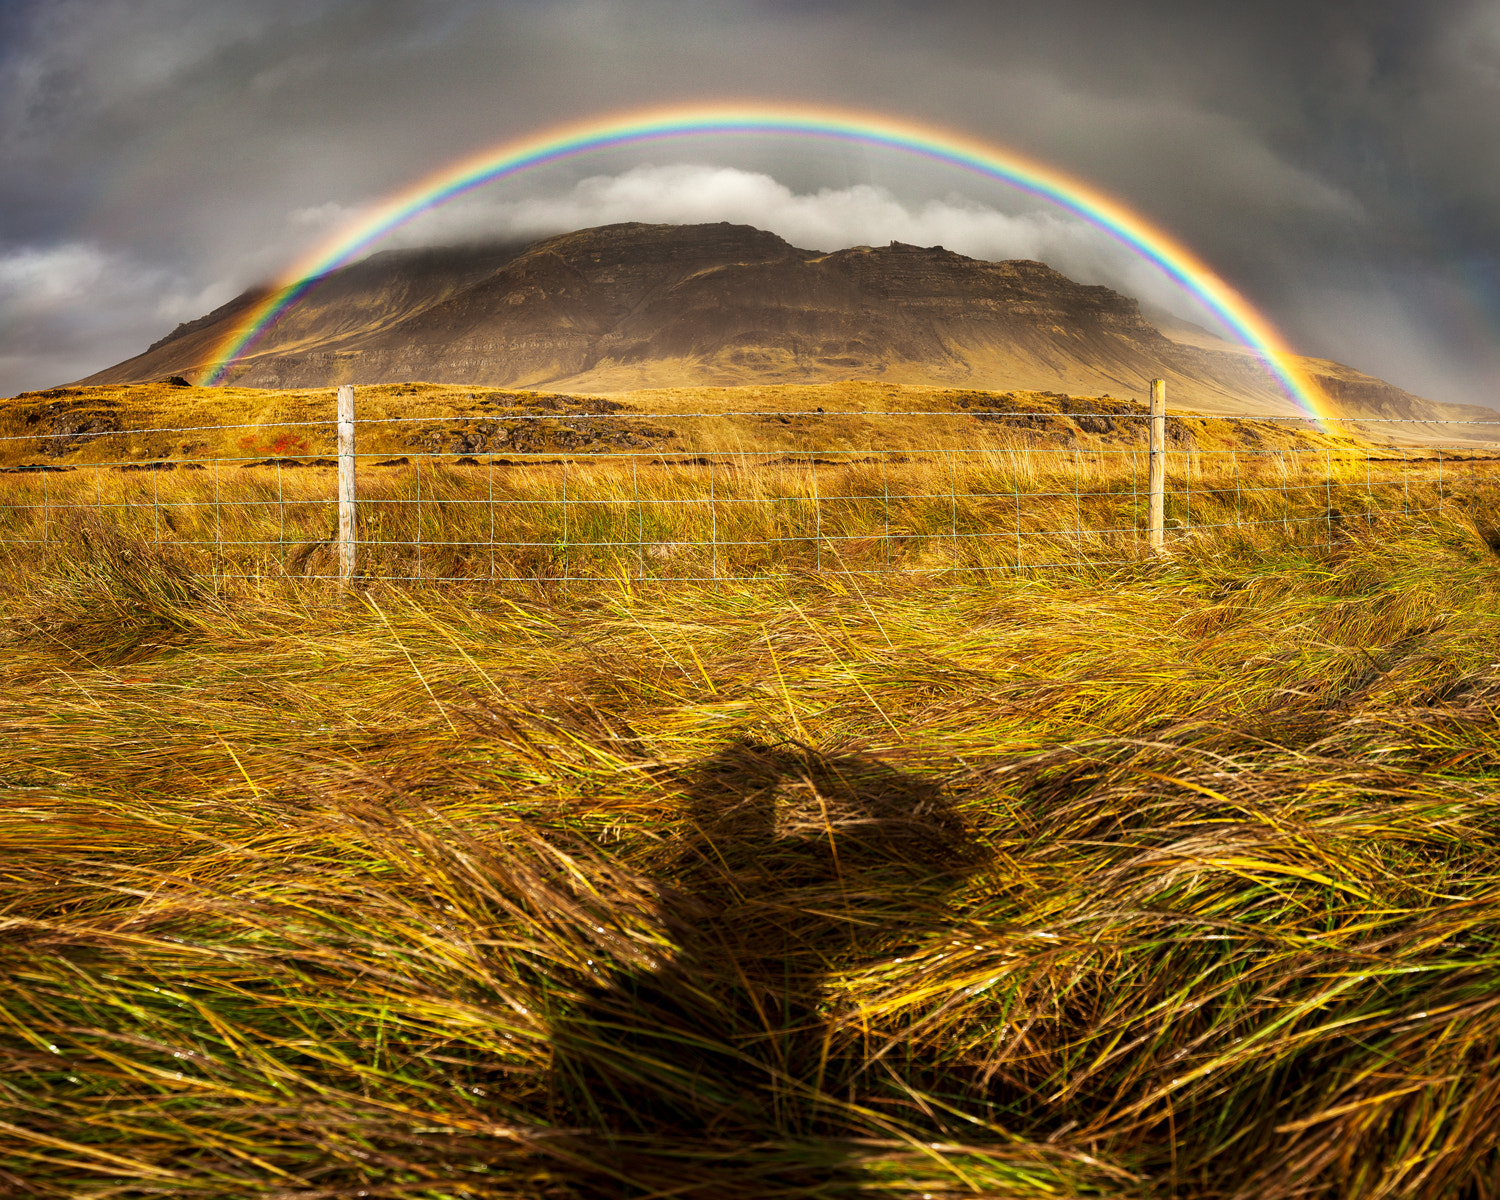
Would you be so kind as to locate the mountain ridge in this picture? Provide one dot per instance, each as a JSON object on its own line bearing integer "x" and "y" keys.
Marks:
{"x": 630, "y": 306}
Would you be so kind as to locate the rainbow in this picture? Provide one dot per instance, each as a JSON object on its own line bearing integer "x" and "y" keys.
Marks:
{"x": 660, "y": 125}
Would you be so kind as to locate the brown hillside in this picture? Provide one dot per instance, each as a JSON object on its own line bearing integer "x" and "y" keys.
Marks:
{"x": 626, "y": 307}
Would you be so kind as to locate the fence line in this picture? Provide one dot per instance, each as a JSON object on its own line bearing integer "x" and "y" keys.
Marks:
{"x": 719, "y": 514}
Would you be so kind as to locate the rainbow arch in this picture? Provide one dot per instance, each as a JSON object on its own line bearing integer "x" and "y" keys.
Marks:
{"x": 653, "y": 125}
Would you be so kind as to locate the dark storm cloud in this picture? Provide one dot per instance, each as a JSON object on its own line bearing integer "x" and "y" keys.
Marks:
{"x": 1338, "y": 162}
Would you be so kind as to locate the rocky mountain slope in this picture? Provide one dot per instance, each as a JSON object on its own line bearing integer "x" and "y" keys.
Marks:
{"x": 632, "y": 306}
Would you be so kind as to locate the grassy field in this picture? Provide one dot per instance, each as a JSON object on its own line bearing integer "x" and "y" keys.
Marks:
{"x": 687, "y": 483}
{"x": 165, "y": 423}
{"x": 547, "y": 517}
{"x": 560, "y": 519}
{"x": 1173, "y": 878}
{"x": 876, "y": 866}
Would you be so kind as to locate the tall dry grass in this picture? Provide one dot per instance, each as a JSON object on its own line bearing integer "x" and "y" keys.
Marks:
{"x": 1174, "y": 877}
{"x": 649, "y": 516}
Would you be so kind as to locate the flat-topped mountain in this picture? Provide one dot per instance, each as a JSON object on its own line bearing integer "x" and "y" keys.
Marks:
{"x": 631, "y": 306}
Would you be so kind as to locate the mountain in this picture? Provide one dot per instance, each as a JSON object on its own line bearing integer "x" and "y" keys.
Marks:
{"x": 631, "y": 306}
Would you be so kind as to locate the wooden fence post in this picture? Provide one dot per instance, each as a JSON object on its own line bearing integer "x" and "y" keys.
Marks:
{"x": 346, "y": 483}
{"x": 1156, "y": 518}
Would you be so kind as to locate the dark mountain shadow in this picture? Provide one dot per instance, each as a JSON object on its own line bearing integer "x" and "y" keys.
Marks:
{"x": 794, "y": 864}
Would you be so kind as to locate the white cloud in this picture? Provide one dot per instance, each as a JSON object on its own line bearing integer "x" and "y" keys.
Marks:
{"x": 82, "y": 282}
{"x": 71, "y": 308}
{"x": 827, "y": 219}
{"x": 41, "y": 279}
{"x": 321, "y": 216}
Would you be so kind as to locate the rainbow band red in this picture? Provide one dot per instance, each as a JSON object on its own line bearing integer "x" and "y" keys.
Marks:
{"x": 954, "y": 149}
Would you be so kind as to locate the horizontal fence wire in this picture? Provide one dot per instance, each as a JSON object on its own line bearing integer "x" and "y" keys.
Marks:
{"x": 559, "y": 514}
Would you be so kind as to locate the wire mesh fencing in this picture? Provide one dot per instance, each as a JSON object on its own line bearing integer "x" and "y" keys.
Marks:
{"x": 1038, "y": 495}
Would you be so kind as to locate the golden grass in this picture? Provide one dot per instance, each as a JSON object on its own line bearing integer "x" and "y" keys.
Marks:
{"x": 238, "y": 424}
{"x": 943, "y": 843}
{"x": 645, "y": 515}
{"x": 1172, "y": 877}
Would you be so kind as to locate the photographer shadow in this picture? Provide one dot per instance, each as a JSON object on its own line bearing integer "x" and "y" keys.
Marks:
{"x": 795, "y": 865}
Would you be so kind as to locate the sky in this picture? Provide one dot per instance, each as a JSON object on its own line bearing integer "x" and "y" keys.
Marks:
{"x": 1337, "y": 163}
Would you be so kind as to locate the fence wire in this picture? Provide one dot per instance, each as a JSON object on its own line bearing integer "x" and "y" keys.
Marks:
{"x": 1047, "y": 500}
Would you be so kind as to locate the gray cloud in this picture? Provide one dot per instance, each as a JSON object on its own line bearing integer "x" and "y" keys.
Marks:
{"x": 1340, "y": 163}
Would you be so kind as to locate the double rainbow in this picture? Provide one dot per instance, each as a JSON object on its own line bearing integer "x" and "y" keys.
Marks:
{"x": 943, "y": 146}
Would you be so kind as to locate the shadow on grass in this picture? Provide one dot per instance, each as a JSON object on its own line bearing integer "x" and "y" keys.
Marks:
{"x": 718, "y": 1074}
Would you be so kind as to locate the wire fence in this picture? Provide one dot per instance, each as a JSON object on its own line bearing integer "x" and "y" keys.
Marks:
{"x": 1048, "y": 490}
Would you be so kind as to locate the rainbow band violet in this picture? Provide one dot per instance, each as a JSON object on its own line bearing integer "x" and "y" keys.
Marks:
{"x": 511, "y": 158}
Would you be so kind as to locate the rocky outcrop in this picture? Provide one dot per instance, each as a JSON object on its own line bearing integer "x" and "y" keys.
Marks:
{"x": 64, "y": 421}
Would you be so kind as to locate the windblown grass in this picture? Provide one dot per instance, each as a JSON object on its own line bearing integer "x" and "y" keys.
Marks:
{"x": 1177, "y": 877}
{"x": 646, "y": 516}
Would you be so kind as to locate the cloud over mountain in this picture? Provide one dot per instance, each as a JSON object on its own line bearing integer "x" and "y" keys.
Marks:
{"x": 827, "y": 218}
{"x": 1336, "y": 162}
